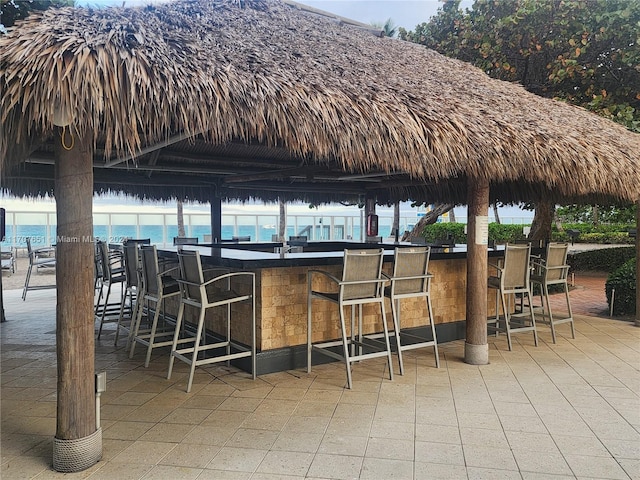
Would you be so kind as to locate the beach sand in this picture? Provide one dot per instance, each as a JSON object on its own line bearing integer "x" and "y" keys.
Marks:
{"x": 15, "y": 281}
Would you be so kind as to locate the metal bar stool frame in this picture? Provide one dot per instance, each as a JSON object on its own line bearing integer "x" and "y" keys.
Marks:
{"x": 157, "y": 286}
{"x": 38, "y": 258}
{"x": 358, "y": 286}
{"x": 112, "y": 274}
{"x": 132, "y": 287}
{"x": 553, "y": 270}
{"x": 204, "y": 294}
{"x": 513, "y": 279}
{"x": 411, "y": 279}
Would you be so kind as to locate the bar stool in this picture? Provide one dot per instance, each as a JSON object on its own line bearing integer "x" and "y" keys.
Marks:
{"x": 132, "y": 286}
{"x": 157, "y": 286}
{"x": 553, "y": 270}
{"x": 362, "y": 283}
{"x": 112, "y": 274}
{"x": 203, "y": 295}
{"x": 411, "y": 279}
{"x": 513, "y": 279}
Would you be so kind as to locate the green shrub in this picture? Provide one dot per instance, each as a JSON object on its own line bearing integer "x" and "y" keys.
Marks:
{"x": 441, "y": 232}
{"x": 590, "y": 228}
{"x": 605, "y": 238}
{"x": 501, "y": 233}
{"x": 560, "y": 236}
{"x": 604, "y": 234}
{"x": 592, "y": 238}
{"x": 602, "y": 260}
{"x": 623, "y": 280}
{"x": 621, "y": 237}
{"x": 498, "y": 233}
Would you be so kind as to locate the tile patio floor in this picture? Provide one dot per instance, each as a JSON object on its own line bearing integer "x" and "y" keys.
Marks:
{"x": 570, "y": 410}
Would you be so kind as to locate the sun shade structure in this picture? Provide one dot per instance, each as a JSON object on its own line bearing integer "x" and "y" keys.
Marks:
{"x": 238, "y": 99}
{"x": 260, "y": 99}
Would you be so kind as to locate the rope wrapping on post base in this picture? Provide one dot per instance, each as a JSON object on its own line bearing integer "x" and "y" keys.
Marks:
{"x": 77, "y": 454}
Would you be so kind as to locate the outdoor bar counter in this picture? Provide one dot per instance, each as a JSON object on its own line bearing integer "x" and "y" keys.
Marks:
{"x": 281, "y": 295}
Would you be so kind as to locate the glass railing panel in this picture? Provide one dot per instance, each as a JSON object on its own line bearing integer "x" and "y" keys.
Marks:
{"x": 122, "y": 226}
{"x": 197, "y": 225}
{"x": 267, "y": 227}
{"x": 36, "y": 227}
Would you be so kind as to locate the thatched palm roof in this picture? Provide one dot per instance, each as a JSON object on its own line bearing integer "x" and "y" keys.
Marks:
{"x": 279, "y": 101}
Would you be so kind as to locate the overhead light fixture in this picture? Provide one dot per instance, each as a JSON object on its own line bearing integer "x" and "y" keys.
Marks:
{"x": 61, "y": 116}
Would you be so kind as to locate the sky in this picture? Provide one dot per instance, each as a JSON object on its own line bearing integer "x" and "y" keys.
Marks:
{"x": 403, "y": 13}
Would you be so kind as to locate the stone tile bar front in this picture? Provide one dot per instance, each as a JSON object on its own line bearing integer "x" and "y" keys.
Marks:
{"x": 281, "y": 296}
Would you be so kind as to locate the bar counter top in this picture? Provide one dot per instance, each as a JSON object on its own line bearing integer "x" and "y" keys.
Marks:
{"x": 314, "y": 254}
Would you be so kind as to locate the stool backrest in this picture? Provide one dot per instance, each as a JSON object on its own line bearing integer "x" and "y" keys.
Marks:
{"x": 97, "y": 259}
{"x": 29, "y": 248}
{"x": 103, "y": 257}
{"x": 516, "y": 266}
{"x": 185, "y": 240}
{"x": 191, "y": 271}
{"x": 557, "y": 257}
{"x": 411, "y": 262}
{"x": 362, "y": 266}
{"x": 150, "y": 271}
{"x": 139, "y": 241}
{"x": 241, "y": 238}
{"x": 131, "y": 263}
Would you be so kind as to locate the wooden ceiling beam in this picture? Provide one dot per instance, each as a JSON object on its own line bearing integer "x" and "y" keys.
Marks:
{"x": 302, "y": 187}
{"x": 151, "y": 148}
{"x": 173, "y": 155}
{"x": 41, "y": 160}
{"x": 300, "y": 172}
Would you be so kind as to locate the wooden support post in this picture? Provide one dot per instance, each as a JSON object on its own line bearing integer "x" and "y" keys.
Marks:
{"x": 476, "y": 349}
{"x": 637, "y": 264}
{"x": 369, "y": 209}
{"x": 282, "y": 221}
{"x": 78, "y": 443}
{"x": 216, "y": 217}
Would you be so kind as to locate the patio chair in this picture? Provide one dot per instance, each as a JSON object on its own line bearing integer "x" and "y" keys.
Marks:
{"x": 362, "y": 283}
{"x": 203, "y": 295}
{"x": 411, "y": 279}
{"x": 40, "y": 258}
{"x": 106, "y": 309}
{"x": 512, "y": 280}
{"x": 157, "y": 286}
{"x": 553, "y": 270}
{"x": 8, "y": 259}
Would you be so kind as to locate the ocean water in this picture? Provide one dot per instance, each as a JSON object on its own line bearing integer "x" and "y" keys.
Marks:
{"x": 41, "y": 235}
